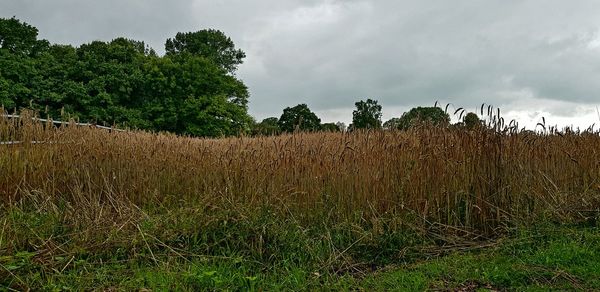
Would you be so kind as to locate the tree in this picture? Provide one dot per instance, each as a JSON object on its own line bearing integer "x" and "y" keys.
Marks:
{"x": 191, "y": 95}
{"x": 341, "y": 126}
{"x": 299, "y": 117}
{"x": 208, "y": 43}
{"x": 433, "y": 115}
{"x": 20, "y": 38}
{"x": 211, "y": 116}
{"x": 267, "y": 127}
{"x": 121, "y": 82}
{"x": 330, "y": 127}
{"x": 471, "y": 120}
{"x": 367, "y": 115}
{"x": 392, "y": 124}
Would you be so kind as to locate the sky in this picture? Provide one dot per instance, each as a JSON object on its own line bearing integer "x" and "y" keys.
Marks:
{"x": 531, "y": 58}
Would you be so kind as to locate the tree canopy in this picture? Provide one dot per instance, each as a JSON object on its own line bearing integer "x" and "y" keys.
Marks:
{"x": 188, "y": 91}
{"x": 434, "y": 115}
{"x": 211, "y": 44}
{"x": 367, "y": 115}
{"x": 330, "y": 127}
{"x": 299, "y": 117}
{"x": 20, "y": 38}
{"x": 267, "y": 127}
{"x": 471, "y": 120}
{"x": 392, "y": 124}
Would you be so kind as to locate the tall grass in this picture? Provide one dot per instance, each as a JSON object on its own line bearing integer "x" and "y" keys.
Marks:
{"x": 476, "y": 181}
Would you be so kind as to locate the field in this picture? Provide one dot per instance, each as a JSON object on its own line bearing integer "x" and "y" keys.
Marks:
{"x": 427, "y": 208}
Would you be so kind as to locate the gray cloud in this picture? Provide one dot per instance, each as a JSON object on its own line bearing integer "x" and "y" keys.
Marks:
{"x": 528, "y": 57}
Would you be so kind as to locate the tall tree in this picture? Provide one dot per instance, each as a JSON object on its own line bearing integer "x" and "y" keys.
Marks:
{"x": 209, "y": 43}
{"x": 123, "y": 82}
{"x": 299, "y": 117}
{"x": 367, "y": 115}
{"x": 191, "y": 95}
{"x": 20, "y": 38}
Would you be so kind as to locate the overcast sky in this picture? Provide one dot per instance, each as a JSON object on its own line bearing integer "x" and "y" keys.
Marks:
{"x": 530, "y": 58}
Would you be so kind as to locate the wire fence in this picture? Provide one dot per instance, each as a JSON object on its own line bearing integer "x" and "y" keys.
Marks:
{"x": 8, "y": 116}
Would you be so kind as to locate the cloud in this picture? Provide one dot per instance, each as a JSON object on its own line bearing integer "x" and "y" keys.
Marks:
{"x": 528, "y": 57}
{"x": 77, "y": 22}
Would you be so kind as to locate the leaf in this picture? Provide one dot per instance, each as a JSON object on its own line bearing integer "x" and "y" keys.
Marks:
{"x": 209, "y": 273}
{"x": 251, "y": 279}
{"x": 24, "y": 254}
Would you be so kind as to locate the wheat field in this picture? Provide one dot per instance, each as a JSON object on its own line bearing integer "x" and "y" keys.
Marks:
{"x": 477, "y": 180}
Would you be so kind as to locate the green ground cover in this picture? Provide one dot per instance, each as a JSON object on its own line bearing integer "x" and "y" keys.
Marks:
{"x": 186, "y": 251}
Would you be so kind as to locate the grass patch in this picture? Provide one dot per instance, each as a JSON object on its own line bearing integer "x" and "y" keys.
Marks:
{"x": 165, "y": 251}
{"x": 563, "y": 258}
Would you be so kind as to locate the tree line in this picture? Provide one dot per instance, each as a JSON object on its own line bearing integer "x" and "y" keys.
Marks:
{"x": 367, "y": 115}
{"x": 191, "y": 90}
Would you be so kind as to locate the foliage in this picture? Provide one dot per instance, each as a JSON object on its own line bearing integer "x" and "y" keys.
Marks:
{"x": 211, "y": 44}
{"x": 267, "y": 127}
{"x": 20, "y": 38}
{"x": 330, "y": 127}
{"x": 164, "y": 251}
{"x": 392, "y": 124}
{"x": 367, "y": 115}
{"x": 124, "y": 82}
{"x": 433, "y": 115}
{"x": 550, "y": 258}
{"x": 471, "y": 120}
{"x": 299, "y": 117}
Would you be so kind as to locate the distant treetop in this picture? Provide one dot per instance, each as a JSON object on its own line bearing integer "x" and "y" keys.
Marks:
{"x": 367, "y": 115}
{"x": 434, "y": 115}
{"x": 209, "y": 43}
{"x": 299, "y": 117}
{"x": 20, "y": 38}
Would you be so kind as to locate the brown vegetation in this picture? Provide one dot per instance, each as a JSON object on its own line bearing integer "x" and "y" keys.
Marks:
{"x": 473, "y": 181}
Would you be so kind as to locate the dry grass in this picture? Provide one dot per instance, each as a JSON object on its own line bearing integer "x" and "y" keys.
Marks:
{"x": 473, "y": 181}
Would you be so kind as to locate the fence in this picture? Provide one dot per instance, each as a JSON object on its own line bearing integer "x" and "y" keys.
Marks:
{"x": 54, "y": 123}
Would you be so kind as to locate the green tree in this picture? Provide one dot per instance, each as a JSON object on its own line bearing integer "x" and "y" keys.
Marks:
{"x": 19, "y": 70}
{"x": 208, "y": 93}
{"x": 267, "y": 127}
{"x": 392, "y": 124}
{"x": 17, "y": 73}
{"x": 299, "y": 117}
{"x": 367, "y": 115}
{"x": 330, "y": 127}
{"x": 211, "y": 116}
{"x": 190, "y": 91}
{"x": 209, "y": 43}
{"x": 471, "y": 120}
{"x": 433, "y": 115}
{"x": 20, "y": 38}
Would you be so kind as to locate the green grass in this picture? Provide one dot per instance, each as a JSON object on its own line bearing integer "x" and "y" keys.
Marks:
{"x": 553, "y": 258}
{"x": 185, "y": 249}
